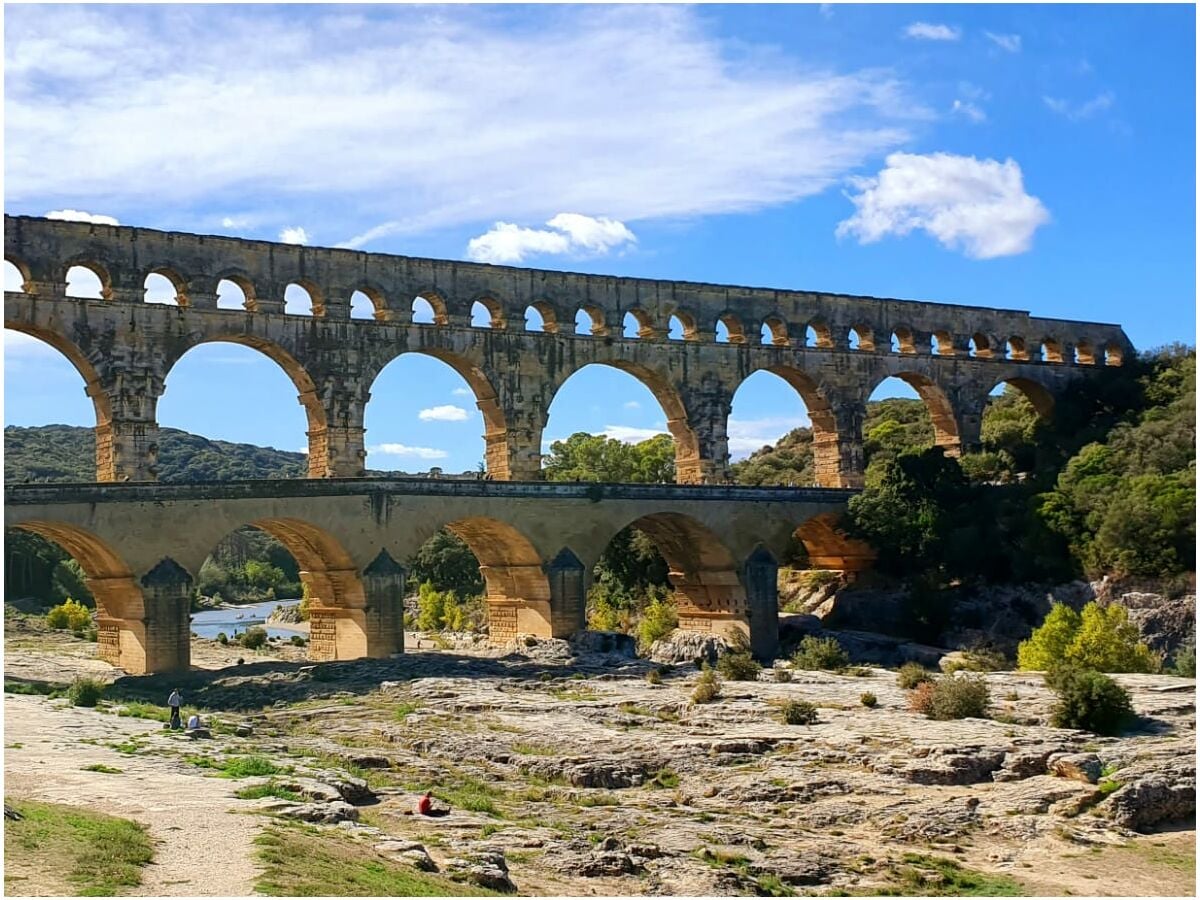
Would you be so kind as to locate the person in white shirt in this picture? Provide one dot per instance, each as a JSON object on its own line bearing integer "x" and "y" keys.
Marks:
{"x": 174, "y": 702}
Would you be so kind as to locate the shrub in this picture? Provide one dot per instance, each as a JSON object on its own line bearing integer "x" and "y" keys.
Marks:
{"x": 959, "y": 697}
{"x": 1101, "y": 638}
{"x": 869, "y": 700}
{"x": 820, "y": 653}
{"x": 920, "y": 699}
{"x": 813, "y": 579}
{"x": 708, "y": 686}
{"x": 253, "y": 638}
{"x": 911, "y": 674}
{"x": 298, "y": 640}
{"x": 1088, "y": 700}
{"x": 659, "y": 619}
{"x": 798, "y": 712}
{"x": 304, "y": 609}
{"x": 69, "y": 615}
{"x": 222, "y": 638}
{"x": 740, "y": 666}
{"x": 1185, "y": 661}
{"x": 783, "y": 675}
{"x": 85, "y": 691}
{"x": 654, "y": 677}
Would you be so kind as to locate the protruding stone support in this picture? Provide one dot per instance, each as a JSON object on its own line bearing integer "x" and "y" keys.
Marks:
{"x": 383, "y": 585}
{"x": 518, "y": 602}
{"x": 164, "y": 635}
{"x": 702, "y": 437}
{"x": 712, "y": 602}
{"x": 568, "y": 594}
{"x": 342, "y": 622}
{"x": 838, "y": 459}
{"x": 127, "y": 451}
{"x": 760, "y": 575}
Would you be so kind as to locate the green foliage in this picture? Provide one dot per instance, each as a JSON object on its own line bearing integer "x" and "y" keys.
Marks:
{"x": 447, "y": 563}
{"x": 222, "y": 638}
{"x": 304, "y": 608}
{"x": 267, "y": 789}
{"x": 820, "y": 653}
{"x": 596, "y": 458}
{"x": 919, "y": 875}
{"x": 1100, "y": 638}
{"x": 798, "y": 712}
{"x": 239, "y": 766}
{"x": 789, "y": 461}
{"x": 953, "y": 697}
{"x": 708, "y": 686}
{"x": 979, "y": 659}
{"x": 869, "y": 700}
{"x": 69, "y": 615}
{"x": 911, "y": 674}
{"x": 1088, "y": 700}
{"x": 444, "y": 611}
{"x": 1185, "y": 661}
{"x": 738, "y": 666}
{"x": 85, "y": 691}
{"x": 254, "y": 638}
{"x": 654, "y": 676}
{"x": 659, "y": 619}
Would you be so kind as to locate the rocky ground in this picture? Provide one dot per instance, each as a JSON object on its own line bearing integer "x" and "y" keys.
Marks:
{"x": 564, "y": 771}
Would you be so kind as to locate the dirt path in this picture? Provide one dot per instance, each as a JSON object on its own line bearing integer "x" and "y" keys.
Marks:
{"x": 202, "y": 848}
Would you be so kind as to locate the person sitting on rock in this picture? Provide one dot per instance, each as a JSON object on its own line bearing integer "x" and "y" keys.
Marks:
{"x": 425, "y": 804}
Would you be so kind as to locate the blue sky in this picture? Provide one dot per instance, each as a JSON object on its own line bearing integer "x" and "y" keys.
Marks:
{"x": 1037, "y": 158}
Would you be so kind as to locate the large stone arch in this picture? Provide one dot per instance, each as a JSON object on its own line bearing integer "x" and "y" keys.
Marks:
{"x": 101, "y": 402}
{"x": 702, "y": 570}
{"x": 835, "y": 462}
{"x": 142, "y": 624}
{"x": 689, "y": 467}
{"x": 946, "y": 431}
{"x": 498, "y": 448}
{"x": 307, "y": 394}
{"x": 1035, "y": 392}
{"x": 517, "y": 590}
{"x": 829, "y": 547}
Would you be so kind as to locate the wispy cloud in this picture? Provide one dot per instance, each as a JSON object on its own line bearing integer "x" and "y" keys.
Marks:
{"x": 748, "y": 435}
{"x": 631, "y": 435}
{"x": 969, "y": 110}
{"x": 1079, "y": 112}
{"x": 567, "y": 233}
{"x": 445, "y": 413}
{"x": 405, "y": 450}
{"x": 462, "y": 392}
{"x": 632, "y": 404}
{"x": 977, "y": 206}
{"x": 926, "y": 31}
{"x": 632, "y": 112}
{"x": 78, "y": 215}
{"x": 1008, "y": 42}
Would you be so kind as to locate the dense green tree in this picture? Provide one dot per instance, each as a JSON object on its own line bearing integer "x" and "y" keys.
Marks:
{"x": 447, "y": 564}
{"x": 789, "y": 461}
{"x": 594, "y": 457}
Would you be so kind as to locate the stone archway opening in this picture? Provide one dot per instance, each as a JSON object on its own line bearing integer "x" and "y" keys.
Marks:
{"x": 88, "y": 281}
{"x": 141, "y": 625}
{"x": 453, "y": 427}
{"x": 828, "y": 548}
{"x": 235, "y": 293}
{"x": 223, "y": 368}
{"x": 303, "y": 298}
{"x": 906, "y": 412}
{"x": 364, "y": 306}
{"x": 701, "y": 573}
{"x": 773, "y": 432}
{"x": 16, "y": 275}
{"x": 166, "y": 287}
{"x": 681, "y": 326}
{"x": 49, "y": 399}
{"x": 516, "y": 590}
{"x": 627, "y": 402}
{"x": 1015, "y": 410}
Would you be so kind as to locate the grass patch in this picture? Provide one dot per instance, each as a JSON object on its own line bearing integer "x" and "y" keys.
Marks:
{"x": 58, "y": 845}
{"x": 465, "y": 792}
{"x": 574, "y": 694}
{"x": 601, "y": 799}
{"x": 268, "y": 789}
{"x": 664, "y": 778}
{"x": 102, "y": 768}
{"x": 404, "y": 710}
{"x": 139, "y": 710}
{"x": 534, "y": 749}
{"x": 931, "y": 876}
{"x": 306, "y": 862}
{"x": 663, "y": 715}
{"x": 129, "y": 748}
{"x": 239, "y": 766}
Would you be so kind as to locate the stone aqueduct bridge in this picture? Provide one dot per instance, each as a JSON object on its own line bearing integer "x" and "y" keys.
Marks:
{"x": 124, "y": 348}
{"x": 140, "y": 544}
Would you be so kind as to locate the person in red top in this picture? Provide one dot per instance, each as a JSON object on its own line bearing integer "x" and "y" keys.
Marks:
{"x": 425, "y": 804}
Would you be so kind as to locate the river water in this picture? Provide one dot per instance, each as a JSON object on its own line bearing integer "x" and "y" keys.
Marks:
{"x": 237, "y": 619}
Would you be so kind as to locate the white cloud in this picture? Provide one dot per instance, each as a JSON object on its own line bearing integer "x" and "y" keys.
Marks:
{"x": 1009, "y": 42}
{"x": 236, "y": 222}
{"x": 969, "y": 109}
{"x": 978, "y": 206}
{"x": 637, "y": 112}
{"x": 294, "y": 235}
{"x": 462, "y": 392}
{"x": 405, "y": 450}
{"x": 632, "y": 404}
{"x": 826, "y": 10}
{"x": 572, "y": 233}
{"x": 630, "y": 435}
{"x": 925, "y": 31}
{"x": 445, "y": 413}
{"x": 78, "y": 215}
{"x": 1079, "y": 112}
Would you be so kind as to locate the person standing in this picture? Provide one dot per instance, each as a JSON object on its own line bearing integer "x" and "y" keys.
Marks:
{"x": 174, "y": 702}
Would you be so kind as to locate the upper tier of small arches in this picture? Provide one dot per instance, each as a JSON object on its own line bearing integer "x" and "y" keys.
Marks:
{"x": 830, "y": 322}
